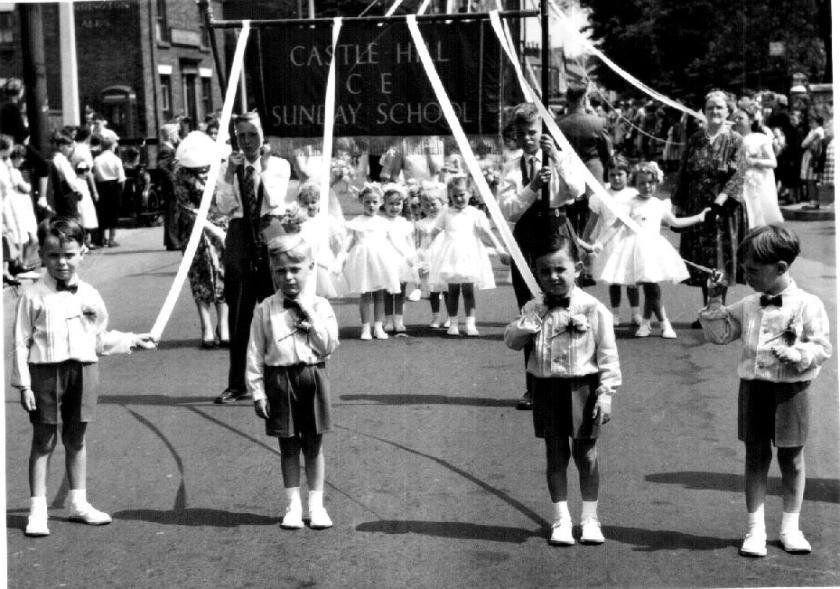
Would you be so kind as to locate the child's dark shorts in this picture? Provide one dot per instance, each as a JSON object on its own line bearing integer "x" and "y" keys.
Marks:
{"x": 563, "y": 407}
{"x": 776, "y": 411}
{"x": 299, "y": 400}
{"x": 65, "y": 392}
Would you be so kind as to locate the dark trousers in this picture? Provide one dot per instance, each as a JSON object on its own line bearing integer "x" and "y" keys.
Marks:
{"x": 243, "y": 290}
{"x": 171, "y": 240}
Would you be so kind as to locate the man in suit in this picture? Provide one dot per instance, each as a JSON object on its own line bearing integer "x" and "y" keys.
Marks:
{"x": 253, "y": 184}
{"x": 521, "y": 201}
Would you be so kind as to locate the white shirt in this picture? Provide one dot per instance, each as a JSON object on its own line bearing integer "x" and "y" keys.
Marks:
{"x": 514, "y": 198}
{"x": 274, "y": 180}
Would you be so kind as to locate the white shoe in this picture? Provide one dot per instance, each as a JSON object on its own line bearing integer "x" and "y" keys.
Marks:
{"x": 453, "y": 330}
{"x": 447, "y": 323}
{"x": 434, "y": 323}
{"x": 88, "y": 514}
{"x": 415, "y": 295}
{"x": 319, "y": 520}
{"x": 471, "y": 329}
{"x": 365, "y": 335}
{"x": 293, "y": 520}
{"x": 561, "y": 533}
{"x": 668, "y": 331}
{"x": 590, "y": 531}
{"x": 644, "y": 329}
{"x": 795, "y": 542}
{"x": 755, "y": 544}
{"x": 36, "y": 525}
{"x": 379, "y": 333}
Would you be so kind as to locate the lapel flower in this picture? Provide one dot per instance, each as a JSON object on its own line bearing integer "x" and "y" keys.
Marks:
{"x": 578, "y": 323}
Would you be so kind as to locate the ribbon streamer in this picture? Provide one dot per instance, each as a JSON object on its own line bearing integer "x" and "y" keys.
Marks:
{"x": 469, "y": 158}
{"x": 209, "y": 187}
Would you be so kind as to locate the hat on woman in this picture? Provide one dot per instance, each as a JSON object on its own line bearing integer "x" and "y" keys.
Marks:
{"x": 196, "y": 150}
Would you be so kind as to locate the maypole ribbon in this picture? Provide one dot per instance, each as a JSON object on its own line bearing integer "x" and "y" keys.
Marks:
{"x": 593, "y": 183}
{"x": 469, "y": 158}
{"x": 619, "y": 70}
{"x": 210, "y": 186}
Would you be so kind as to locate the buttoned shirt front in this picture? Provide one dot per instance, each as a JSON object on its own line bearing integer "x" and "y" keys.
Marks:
{"x": 53, "y": 326}
{"x": 568, "y": 343}
{"x": 274, "y": 178}
{"x": 802, "y": 318}
{"x": 515, "y": 197}
{"x": 277, "y": 339}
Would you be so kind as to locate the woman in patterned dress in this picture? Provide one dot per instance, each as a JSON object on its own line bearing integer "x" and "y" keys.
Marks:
{"x": 709, "y": 178}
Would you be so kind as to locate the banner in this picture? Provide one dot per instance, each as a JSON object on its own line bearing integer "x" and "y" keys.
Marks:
{"x": 381, "y": 86}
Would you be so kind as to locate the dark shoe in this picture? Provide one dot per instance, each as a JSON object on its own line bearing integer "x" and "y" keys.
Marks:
{"x": 696, "y": 324}
{"x": 810, "y": 207}
{"x": 208, "y": 344}
{"x": 525, "y": 403}
{"x": 230, "y": 396}
{"x": 224, "y": 343}
{"x": 112, "y": 243}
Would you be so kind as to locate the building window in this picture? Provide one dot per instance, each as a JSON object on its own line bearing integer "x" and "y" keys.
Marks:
{"x": 166, "y": 97}
{"x": 7, "y": 28}
{"x": 189, "y": 73}
{"x": 161, "y": 28}
{"x": 207, "y": 95}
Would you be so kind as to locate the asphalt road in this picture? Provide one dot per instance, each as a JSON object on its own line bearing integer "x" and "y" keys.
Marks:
{"x": 434, "y": 480}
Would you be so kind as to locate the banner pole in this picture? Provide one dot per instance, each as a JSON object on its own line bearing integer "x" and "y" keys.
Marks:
{"x": 545, "y": 194}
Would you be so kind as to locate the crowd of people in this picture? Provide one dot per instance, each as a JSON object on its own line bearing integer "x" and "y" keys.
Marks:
{"x": 268, "y": 263}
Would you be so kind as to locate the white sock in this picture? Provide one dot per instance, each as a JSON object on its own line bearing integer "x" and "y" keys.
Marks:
{"x": 634, "y": 310}
{"x": 38, "y": 505}
{"x": 293, "y": 498}
{"x": 589, "y": 510}
{"x": 316, "y": 500}
{"x": 470, "y": 322}
{"x": 790, "y": 522}
{"x": 561, "y": 511}
{"x": 398, "y": 321}
{"x": 77, "y": 497}
{"x": 377, "y": 325}
{"x": 365, "y": 327}
{"x": 755, "y": 520}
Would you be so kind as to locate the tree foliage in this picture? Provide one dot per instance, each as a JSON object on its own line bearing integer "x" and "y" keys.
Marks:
{"x": 686, "y": 47}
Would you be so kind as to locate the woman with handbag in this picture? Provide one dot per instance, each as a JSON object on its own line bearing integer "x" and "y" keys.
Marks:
{"x": 810, "y": 170}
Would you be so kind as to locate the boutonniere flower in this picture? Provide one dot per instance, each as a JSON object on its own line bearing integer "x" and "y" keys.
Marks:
{"x": 792, "y": 332}
{"x": 578, "y": 323}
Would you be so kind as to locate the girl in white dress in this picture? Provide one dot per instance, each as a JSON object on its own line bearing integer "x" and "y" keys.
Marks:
{"x": 401, "y": 234}
{"x": 326, "y": 236}
{"x": 757, "y": 161}
{"x": 462, "y": 262}
{"x": 370, "y": 261}
{"x": 646, "y": 257}
{"x": 602, "y": 221}
{"x": 433, "y": 203}
{"x": 87, "y": 209}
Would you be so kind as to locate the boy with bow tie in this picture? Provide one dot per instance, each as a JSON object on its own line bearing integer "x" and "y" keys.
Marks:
{"x": 575, "y": 371}
{"x": 784, "y": 331}
{"x": 59, "y": 332}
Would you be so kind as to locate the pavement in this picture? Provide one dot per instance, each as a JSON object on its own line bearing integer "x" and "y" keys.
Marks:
{"x": 433, "y": 478}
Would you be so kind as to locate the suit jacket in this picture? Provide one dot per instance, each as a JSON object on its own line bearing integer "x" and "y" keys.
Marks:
{"x": 588, "y": 136}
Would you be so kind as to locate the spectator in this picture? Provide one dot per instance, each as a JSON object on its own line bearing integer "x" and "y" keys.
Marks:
{"x": 169, "y": 140}
{"x": 812, "y": 155}
{"x": 109, "y": 175}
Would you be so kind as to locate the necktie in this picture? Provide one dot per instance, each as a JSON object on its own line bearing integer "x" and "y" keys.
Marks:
{"x": 527, "y": 169}
{"x": 767, "y": 300}
{"x": 61, "y": 285}
{"x": 552, "y": 302}
{"x": 250, "y": 193}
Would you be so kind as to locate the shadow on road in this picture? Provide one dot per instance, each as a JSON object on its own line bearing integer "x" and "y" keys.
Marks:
{"x": 197, "y": 516}
{"x": 816, "y": 489}
{"x": 427, "y": 400}
{"x": 653, "y": 540}
{"x": 458, "y": 530}
{"x": 153, "y": 400}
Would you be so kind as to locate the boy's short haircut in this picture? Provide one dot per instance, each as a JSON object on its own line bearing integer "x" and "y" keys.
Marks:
{"x": 107, "y": 141}
{"x": 291, "y": 245}
{"x": 60, "y": 137}
{"x": 525, "y": 114}
{"x": 575, "y": 93}
{"x": 770, "y": 244}
{"x": 556, "y": 243}
{"x": 393, "y": 188}
{"x": 64, "y": 228}
{"x": 252, "y": 118}
{"x": 309, "y": 189}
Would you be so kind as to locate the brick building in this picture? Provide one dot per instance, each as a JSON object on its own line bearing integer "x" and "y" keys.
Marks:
{"x": 140, "y": 62}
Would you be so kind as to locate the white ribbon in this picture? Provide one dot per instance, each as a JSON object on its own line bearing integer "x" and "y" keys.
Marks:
{"x": 618, "y": 70}
{"x": 469, "y": 158}
{"x": 209, "y": 187}
{"x": 394, "y": 7}
{"x": 579, "y": 167}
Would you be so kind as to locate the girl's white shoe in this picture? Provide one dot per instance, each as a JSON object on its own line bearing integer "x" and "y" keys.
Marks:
{"x": 644, "y": 329}
{"x": 453, "y": 330}
{"x": 379, "y": 333}
{"x": 365, "y": 335}
{"x": 319, "y": 519}
{"x": 36, "y": 525}
{"x": 471, "y": 329}
{"x": 668, "y": 331}
{"x": 561, "y": 533}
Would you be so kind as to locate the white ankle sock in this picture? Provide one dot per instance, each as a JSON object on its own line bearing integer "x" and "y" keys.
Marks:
{"x": 398, "y": 321}
{"x": 755, "y": 520}
{"x": 790, "y": 522}
{"x": 561, "y": 510}
{"x": 77, "y": 497}
{"x": 470, "y": 322}
{"x": 635, "y": 310}
{"x": 589, "y": 510}
{"x": 316, "y": 500}
{"x": 293, "y": 497}
{"x": 37, "y": 505}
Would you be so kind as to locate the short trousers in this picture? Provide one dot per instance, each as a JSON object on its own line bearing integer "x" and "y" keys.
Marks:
{"x": 773, "y": 411}
{"x": 298, "y": 400}
{"x": 563, "y": 407}
{"x": 65, "y": 392}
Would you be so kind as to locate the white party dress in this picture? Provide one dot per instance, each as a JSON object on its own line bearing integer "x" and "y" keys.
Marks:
{"x": 461, "y": 256}
{"x": 372, "y": 262}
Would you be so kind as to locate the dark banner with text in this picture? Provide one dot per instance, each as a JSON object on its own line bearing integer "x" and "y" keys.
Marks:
{"x": 381, "y": 86}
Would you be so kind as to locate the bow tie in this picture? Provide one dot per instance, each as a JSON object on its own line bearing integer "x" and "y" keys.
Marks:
{"x": 61, "y": 285}
{"x": 767, "y": 300}
{"x": 290, "y": 304}
{"x": 552, "y": 301}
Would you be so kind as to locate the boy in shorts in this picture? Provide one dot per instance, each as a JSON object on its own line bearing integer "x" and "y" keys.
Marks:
{"x": 785, "y": 337}
{"x": 59, "y": 332}
{"x": 292, "y": 335}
